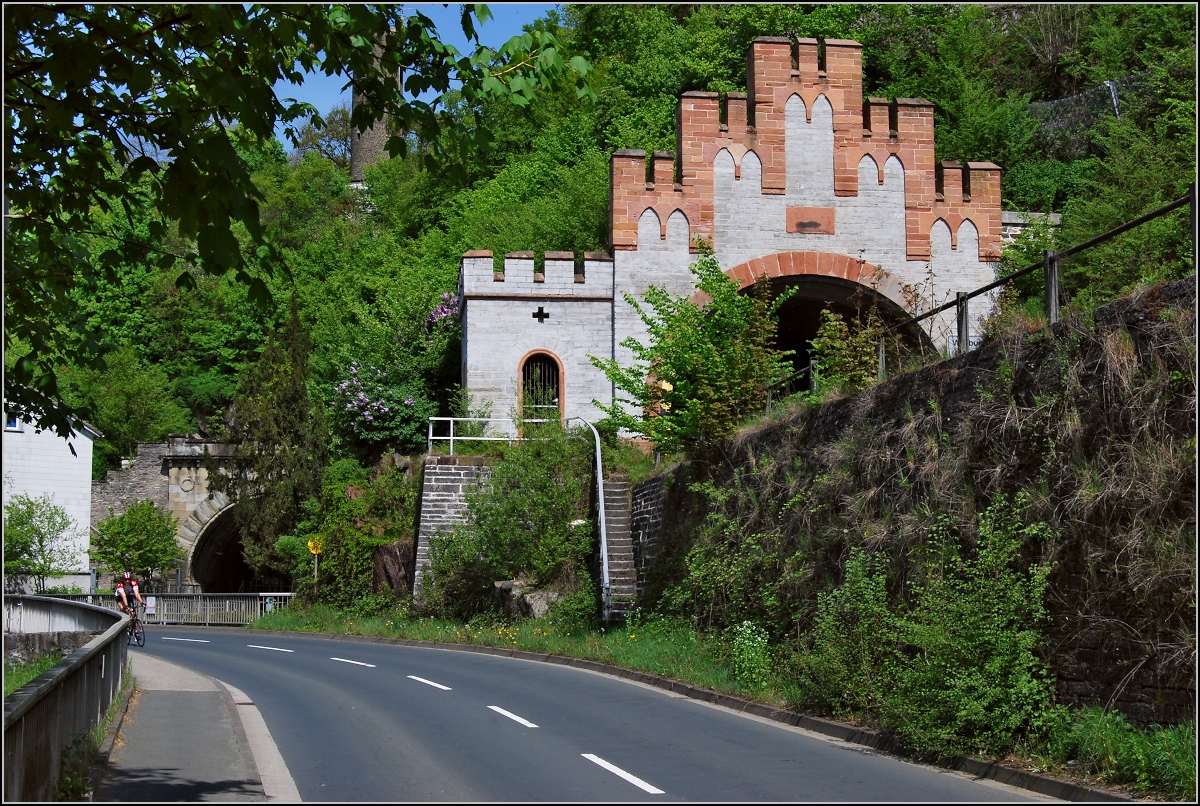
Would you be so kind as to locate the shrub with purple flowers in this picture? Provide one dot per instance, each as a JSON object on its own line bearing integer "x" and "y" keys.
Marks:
{"x": 378, "y": 406}
{"x": 446, "y": 311}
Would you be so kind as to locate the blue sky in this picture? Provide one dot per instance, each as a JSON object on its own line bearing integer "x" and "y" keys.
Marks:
{"x": 325, "y": 92}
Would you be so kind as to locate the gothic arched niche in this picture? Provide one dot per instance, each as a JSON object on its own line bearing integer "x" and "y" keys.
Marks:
{"x": 541, "y": 393}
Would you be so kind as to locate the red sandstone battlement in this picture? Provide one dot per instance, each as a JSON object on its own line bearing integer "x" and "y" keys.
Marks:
{"x": 778, "y": 68}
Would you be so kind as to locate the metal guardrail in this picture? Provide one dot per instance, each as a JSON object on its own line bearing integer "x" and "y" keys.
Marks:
{"x": 45, "y": 716}
{"x": 605, "y": 581}
{"x": 1050, "y": 266}
{"x": 207, "y": 609}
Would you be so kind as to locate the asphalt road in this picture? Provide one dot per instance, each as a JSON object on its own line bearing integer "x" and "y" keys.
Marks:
{"x": 375, "y": 722}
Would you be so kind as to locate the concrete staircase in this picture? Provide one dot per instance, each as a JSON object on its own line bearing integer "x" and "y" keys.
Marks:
{"x": 621, "y": 572}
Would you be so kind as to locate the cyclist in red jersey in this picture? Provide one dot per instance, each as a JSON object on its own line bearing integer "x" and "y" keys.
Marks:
{"x": 126, "y": 592}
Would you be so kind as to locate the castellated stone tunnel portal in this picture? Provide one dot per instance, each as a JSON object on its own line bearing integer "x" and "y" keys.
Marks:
{"x": 800, "y": 316}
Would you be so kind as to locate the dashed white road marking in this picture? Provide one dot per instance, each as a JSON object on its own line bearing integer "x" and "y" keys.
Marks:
{"x": 615, "y": 770}
{"x": 355, "y": 662}
{"x": 272, "y": 648}
{"x": 512, "y": 716}
{"x": 429, "y": 682}
{"x": 190, "y": 640}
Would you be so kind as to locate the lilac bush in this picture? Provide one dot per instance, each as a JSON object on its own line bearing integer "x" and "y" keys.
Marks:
{"x": 380, "y": 406}
{"x": 446, "y": 311}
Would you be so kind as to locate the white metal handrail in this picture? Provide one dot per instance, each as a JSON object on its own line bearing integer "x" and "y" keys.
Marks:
{"x": 482, "y": 438}
{"x": 604, "y": 575}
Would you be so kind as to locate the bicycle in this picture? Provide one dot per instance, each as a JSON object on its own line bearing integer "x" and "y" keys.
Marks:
{"x": 135, "y": 631}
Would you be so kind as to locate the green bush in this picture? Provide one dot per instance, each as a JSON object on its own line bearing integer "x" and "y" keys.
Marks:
{"x": 751, "y": 657}
{"x": 39, "y": 541}
{"x": 844, "y": 354}
{"x": 955, "y": 671}
{"x": 576, "y": 612}
{"x": 527, "y": 520}
{"x": 704, "y": 369}
{"x": 845, "y": 668}
{"x": 965, "y": 675}
{"x": 141, "y": 540}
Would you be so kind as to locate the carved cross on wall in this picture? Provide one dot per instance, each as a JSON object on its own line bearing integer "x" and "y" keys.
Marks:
{"x": 541, "y": 315}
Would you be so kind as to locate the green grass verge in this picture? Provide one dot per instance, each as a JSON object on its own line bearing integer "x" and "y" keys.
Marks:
{"x": 1087, "y": 746}
{"x": 18, "y": 674}
{"x": 1158, "y": 761}
{"x": 662, "y": 646}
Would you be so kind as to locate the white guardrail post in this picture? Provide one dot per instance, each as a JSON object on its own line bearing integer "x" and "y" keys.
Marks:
{"x": 604, "y": 579}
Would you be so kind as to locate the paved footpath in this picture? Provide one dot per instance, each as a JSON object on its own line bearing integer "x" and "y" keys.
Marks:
{"x": 184, "y": 738}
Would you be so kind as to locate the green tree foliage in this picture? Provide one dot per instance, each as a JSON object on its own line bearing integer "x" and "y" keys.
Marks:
{"x": 367, "y": 268}
{"x": 39, "y": 541}
{"x": 99, "y": 98}
{"x": 705, "y": 368}
{"x": 332, "y": 141}
{"x": 1148, "y": 160}
{"x": 358, "y": 511}
{"x": 140, "y": 540}
{"x": 527, "y": 521}
{"x": 280, "y": 446}
{"x": 131, "y": 403}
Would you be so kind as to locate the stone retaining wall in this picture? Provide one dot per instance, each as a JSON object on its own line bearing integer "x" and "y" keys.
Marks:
{"x": 444, "y": 486}
{"x": 22, "y": 647}
{"x": 1090, "y": 666}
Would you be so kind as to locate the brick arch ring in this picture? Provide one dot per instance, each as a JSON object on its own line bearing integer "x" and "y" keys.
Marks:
{"x": 816, "y": 264}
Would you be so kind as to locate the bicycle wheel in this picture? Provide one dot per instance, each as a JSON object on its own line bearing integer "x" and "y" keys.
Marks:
{"x": 139, "y": 634}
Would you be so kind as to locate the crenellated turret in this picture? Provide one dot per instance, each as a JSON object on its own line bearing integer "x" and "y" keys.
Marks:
{"x": 777, "y": 70}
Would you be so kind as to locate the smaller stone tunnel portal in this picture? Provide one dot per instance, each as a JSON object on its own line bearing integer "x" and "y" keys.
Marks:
{"x": 217, "y": 562}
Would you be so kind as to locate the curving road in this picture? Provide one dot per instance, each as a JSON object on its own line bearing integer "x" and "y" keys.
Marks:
{"x": 375, "y": 722}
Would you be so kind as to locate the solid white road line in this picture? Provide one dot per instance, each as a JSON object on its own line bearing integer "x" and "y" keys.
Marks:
{"x": 512, "y": 716}
{"x": 277, "y": 782}
{"x": 428, "y": 682}
{"x": 355, "y": 662}
{"x": 191, "y": 640}
{"x": 615, "y": 770}
{"x": 272, "y": 648}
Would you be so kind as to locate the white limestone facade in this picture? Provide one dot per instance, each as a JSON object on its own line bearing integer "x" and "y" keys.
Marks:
{"x": 511, "y": 316}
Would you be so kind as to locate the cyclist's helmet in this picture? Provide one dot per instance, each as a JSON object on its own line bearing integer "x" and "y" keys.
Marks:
{"x": 127, "y": 575}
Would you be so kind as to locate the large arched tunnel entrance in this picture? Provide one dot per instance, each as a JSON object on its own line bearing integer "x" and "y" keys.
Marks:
{"x": 217, "y": 562}
{"x": 800, "y": 316}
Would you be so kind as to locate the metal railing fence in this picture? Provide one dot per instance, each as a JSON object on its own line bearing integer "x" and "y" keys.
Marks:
{"x": 202, "y": 609}
{"x": 45, "y": 716}
{"x": 1050, "y": 266}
